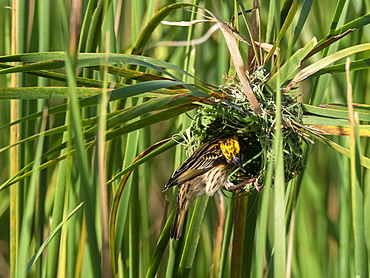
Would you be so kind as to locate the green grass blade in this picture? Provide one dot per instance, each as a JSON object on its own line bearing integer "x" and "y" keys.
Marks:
{"x": 361, "y": 267}
{"x": 118, "y": 94}
{"x": 49, "y": 239}
{"x": 288, "y": 69}
{"x": 192, "y": 237}
{"x": 338, "y": 111}
{"x": 153, "y": 23}
{"x": 355, "y": 65}
{"x": 302, "y": 19}
{"x": 227, "y": 236}
{"x": 354, "y": 24}
{"x": 45, "y": 92}
{"x": 60, "y": 199}
{"x": 160, "y": 247}
{"x": 287, "y": 22}
{"x": 56, "y": 60}
{"x": 357, "y": 194}
{"x": 311, "y": 69}
{"x": 150, "y": 152}
{"x": 365, "y": 161}
{"x": 279, "y": 195}
{"x": 26, "y": 226}
{"x": 262, "y": 234}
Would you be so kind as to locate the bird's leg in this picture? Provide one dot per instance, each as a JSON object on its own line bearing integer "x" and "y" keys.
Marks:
{"x": 257, "y": 186}
{"x": 230, "y": 186}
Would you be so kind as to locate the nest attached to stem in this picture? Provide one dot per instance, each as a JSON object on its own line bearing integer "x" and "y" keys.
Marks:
{"x": 232, "y": 114}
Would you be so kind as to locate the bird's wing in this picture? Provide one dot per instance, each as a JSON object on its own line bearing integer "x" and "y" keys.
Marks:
{"x": 201, "y": 161}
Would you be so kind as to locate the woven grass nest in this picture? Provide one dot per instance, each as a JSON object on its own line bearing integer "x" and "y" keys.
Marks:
{"x": 231, "y": 114}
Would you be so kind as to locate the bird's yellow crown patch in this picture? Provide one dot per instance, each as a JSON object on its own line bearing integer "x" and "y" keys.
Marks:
{"x": 230, "y": 147}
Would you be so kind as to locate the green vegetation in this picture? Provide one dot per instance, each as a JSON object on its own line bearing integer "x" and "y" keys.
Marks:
{"x": 97, "y": 97}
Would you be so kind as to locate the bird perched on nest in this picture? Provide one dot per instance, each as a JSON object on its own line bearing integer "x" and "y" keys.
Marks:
{"x": 204, "y": 172}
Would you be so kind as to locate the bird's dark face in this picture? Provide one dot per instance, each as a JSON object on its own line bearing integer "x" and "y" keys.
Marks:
{"x": 231, "y": 149}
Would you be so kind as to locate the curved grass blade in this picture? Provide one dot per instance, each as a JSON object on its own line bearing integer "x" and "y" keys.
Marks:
{"x": 117, "y": 94}
{"x": 160, "y": 247}
{"x": 339, "y": 111}
{"x": 302, "y": 19}
{"x": 90, "y": 134}
{"x": 25, "y": 172}
{"x": 117, "y": 198}
{"x": 25, "y": 231}
{"x": 338, "y": 12}
{"x": 49, "y": 238}
{"x": 91, "y": 34}
{"x": 81, "y": 81}
{"x": 287, "y": 22}
{"x": 140, "y": 161}
{"x": 324, "y": 43}
{"x": 253, "y": 30}
{"x": 355, "y": 65}
{"x": 337, "y": 34}
{"x": 288, "y": 69}
{"x": 153, "y": 23}
{"x": 55, "y": 60}
{"x": 156, "y": 118}
{"x": 114, "y": 119}
{"x": 117, "y": 118}
{"x": 365, "y": 161}
{"x": 308, "y": 71}
{"x": 357, "y": 23}
{"x": 129, "y": 74}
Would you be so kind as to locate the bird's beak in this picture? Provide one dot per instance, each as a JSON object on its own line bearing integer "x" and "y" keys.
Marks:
{"x": 238, "y": 162}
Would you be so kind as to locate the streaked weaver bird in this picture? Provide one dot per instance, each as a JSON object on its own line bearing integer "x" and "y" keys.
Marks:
{"x": 204, "y": 172}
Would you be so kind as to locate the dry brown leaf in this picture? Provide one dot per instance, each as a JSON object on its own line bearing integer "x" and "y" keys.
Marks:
{"x": 186, "y": 23}
{"x": 238, "y": 63}
{"x": 338, "y": 130}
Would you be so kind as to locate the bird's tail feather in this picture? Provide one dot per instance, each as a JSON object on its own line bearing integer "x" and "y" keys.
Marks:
{"x": 178, "y": 224}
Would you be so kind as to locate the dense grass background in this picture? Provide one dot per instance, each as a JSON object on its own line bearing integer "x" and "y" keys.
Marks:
{"x": 315, "y": 226}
